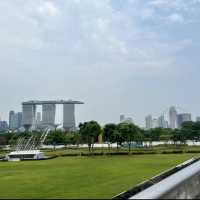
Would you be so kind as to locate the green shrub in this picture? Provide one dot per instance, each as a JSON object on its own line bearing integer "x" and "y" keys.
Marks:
{"x": 172, "y": 152}
{"x": 193, "y": 151}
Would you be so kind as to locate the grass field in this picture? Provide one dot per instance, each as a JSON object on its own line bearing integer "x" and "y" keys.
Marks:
{"x": 81, "y": 177}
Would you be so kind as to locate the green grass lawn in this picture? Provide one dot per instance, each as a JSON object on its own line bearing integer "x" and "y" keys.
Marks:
{"x": 81, "y": 177}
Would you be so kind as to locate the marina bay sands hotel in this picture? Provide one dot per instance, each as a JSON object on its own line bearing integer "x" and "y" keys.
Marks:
{"x": 29, "y": 109}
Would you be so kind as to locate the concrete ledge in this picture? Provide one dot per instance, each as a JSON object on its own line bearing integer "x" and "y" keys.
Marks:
{"x": 184, "y": 184}
{"x": 181, "y": 182}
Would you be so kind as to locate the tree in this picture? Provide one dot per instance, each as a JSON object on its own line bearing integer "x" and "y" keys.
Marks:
{"x": 188, "y": 131}
{"x": 89, "y": 132}
{"x": 165, "y": 135}
{"x": 128, "y": 132}
{"x": 73, "y": 138}
{"x": 165, "y": 138}
{"x": 152, "y": 135}
{"x": 55, "y": 138}
{"x": 77, "y": 138}
{"x": 13, "y": 139}
{"x": 109, "y": 133}
{"x": 139, "y": 137}
{"x": 155, "y": 134}
{"x": 187, "y": 125}
{"x": 196, "y": 131}
{"x": 118, "y": 138}
{"x": 69, "y": 138}
{"x": 196, "y": 126}
{"x": 2, "y": 140}
{"x": 179, "y": 135}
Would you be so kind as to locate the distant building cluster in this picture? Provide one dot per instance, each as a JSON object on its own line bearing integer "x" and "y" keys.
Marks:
{"x": 198, "y": 119}
{"x": 30, "y": 119}
{"x": 15, "y": 120}
{"x": 124, "y": 119}
{"x": 33, "y": 120}
{"x": 3, "y": 125}
{"x": 175, "y": 120}
{"x": 154, "y": 122}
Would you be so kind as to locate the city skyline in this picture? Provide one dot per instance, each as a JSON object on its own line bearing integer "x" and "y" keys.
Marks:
{"x": 144, "y": 51}
{"x": 44, "y": 115}
{"x": 172, "y": 118}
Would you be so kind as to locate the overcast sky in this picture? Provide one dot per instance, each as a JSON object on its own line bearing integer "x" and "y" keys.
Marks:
{"x": 131, "y": 57}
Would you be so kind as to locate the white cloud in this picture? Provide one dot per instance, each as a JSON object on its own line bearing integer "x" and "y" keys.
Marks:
{"x": 48, "y": 8}
{"x": 81, "y": 48}
{"x": 177, "y": 18}
{"x": 169, "y": 4}
{"x": 159, "y": 2}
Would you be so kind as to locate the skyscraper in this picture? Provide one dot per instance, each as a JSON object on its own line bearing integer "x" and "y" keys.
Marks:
{"x": 48, "y": 114}
{"x": 12, "y": 119}
{"x": 38, "y": 118}
{"x": 15, "y": 120}
{"x": 184, "y": 117}
{"x": 19, "y": 119}
{"x": 198, "y": 119}
{"x": 69, "y": 117}
{"x": 3, "y": 126}
{"x": 172, "y": 117}
{"x": 149, "y": 122}
{"x": 128, "y": 120}
{"x": 122, "y": 117}
{"x": 155, "y": 123}
{"x": 162, "y": 123}
{"x": 29, "y": 111}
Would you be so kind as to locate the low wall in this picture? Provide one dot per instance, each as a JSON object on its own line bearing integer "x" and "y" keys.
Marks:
{"x": 181, "y": 182}
{"x": 188, "y": 189}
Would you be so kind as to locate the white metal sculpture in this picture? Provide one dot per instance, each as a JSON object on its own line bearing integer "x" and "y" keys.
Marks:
{"x": 29, "y": 148}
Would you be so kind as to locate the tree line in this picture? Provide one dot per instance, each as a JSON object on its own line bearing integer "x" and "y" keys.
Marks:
{"x": 122, "y": 133}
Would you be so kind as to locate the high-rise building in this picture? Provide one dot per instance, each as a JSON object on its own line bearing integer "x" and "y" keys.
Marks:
{"x": 38, "y": 118}
{"x": 198, "y": 119}
{"x": 167, "y": 124}
{"x": 48, "y": 114}
{"x": 29, "y": 111}
{"x": 19, "y": 119}
{"x": 128, "y": 120}
{"x": 155, "y": 123}
{"x": 122, "y": 117}
{"x": 162, "y": 123}
{"x": 69, "y": 117}
{"x": 15, "y": 120}
{"x": 12, "y": 119}
{"x": 3, "y": 126}
{"x": 184, "y": 117}
{"x": 172, "y": 117}
{"x": 149, "y": 122}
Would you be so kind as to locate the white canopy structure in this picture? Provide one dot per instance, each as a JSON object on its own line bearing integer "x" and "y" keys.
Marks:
{"x": 25, "y": 155}
{"x": 28, "y": 149}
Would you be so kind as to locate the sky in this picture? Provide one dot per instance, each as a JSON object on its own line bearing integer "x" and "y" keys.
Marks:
{"x": 132, "y": 57}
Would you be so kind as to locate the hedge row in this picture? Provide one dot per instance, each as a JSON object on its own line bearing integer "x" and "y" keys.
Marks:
{"x": 126, "y": 153}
